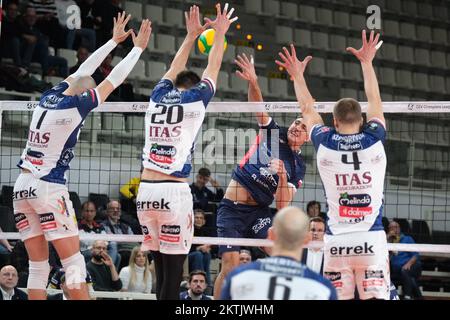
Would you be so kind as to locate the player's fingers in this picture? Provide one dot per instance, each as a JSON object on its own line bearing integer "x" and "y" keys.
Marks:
{"x": 230, "y": 13}
{"x": 293, "y": 51}
{"x": 364, "y": 37}
{"x": 186, "y": 16}
{"x": 252, "y": 60}
{"x": 241, "y": 75}
{"x": 371, "y": 37}
{"x": 283, "y": 57}
{"x": 307, "y": 60}
{"x": 378, "y": 46}
{"x": 281, "y": 64}
{"x": 351, "y": 50}
{"x": 219, "y": 12}
{"x": 286, "y": 52}
{"x": 234, "y": 19}
{"x": 225, "y": 9}
{"x": 127, "y": 19}
{"x": 115, "y": 21}
{"x": 375, "y": 41}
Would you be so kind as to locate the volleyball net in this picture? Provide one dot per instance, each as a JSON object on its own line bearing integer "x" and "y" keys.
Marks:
{"x": 108, "y": 153}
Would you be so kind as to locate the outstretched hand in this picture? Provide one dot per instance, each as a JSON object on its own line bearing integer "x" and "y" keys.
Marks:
{"x": 193, "y": 25}
{"x": 291, "y": 63}
{"x": 141, "y": 40}
{"x": 223, "y": 20}
{"x": 119, "y": 33}
{"x": 369, "y": 48}
{"x": 247, "y": 68}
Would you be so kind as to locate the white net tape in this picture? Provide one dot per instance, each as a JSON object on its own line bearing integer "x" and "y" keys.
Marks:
{"x": 249, "y": 107}
{"x": 435, "y": 248}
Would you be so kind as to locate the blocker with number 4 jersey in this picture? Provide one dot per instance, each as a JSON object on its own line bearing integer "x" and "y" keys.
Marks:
{"x": 172, "y": 122}
{"x": 352, "y": 168}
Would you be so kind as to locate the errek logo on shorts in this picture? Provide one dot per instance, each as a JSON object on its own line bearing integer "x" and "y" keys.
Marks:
{"x": 157, "y": 205}
{"x": 47, "y": 221}
{"x": 30, "y": 193}
{"x": 162, "y": 154}
{"x": 260, "y": 224}
{"x": 364, "y": 250}
{"x": 21, "y": 221}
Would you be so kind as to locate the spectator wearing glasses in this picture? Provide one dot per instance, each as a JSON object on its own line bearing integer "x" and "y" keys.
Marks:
{"x": 313, "y": 258}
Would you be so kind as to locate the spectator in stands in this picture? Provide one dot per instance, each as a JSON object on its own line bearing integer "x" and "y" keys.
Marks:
{"x": 37, "y": 47}
{"x": 124, "y": 92}
{"x": 137, "y": 277}
{"x": 313, "y": 209}
{"x": 89, "y": 225}
{"x": 197, "y": 286}
{"x": 70, "y": 20}
{"x": 115, "y": 225}
{"x": 313, "y": 258}
{"x": 200, "y": 255}
{"x": 102, "y": 269}
{"x": 405, "y": 266}
{"x": 88, "y": 20}
{"x": 11, "y": 37}
{"x": 201, "y": 194}
{"x": 245, "y": 256}
{"x": 8, "y": 284}
{"x": 82, "y": 55}
{"x": 58, "y": 281}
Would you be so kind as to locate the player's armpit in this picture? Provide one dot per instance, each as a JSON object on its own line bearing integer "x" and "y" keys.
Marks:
{"x": 104, "y": 90}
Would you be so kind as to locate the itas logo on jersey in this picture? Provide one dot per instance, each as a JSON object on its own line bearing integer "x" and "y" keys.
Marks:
{"x": 162, "y": 154}
{"x": 164, "y": 132}
{"x": 36, "y": 138}
{"x": 353, "y": 181}
{"x": 354, "y": 200}
{"x": 30, "y": 193}
{"x": 34, "y": 157}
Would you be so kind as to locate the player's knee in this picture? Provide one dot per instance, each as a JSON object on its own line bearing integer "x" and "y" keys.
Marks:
{"x": 38, "y": 274}
{"x": 75, "y": 269}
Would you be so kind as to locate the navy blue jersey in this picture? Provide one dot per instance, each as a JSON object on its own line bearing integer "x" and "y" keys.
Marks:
{"x": 172, "y": 122}
{"x": 254, "y": 173}
{"x": 54, "y": 131}
{"x": 276, "y": 278}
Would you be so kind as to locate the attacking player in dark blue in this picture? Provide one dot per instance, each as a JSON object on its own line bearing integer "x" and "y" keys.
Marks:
{"x": 271, "y": 169}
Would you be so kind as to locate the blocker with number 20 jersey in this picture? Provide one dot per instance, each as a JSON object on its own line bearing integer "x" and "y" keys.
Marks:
{"x": 172, "y": 122}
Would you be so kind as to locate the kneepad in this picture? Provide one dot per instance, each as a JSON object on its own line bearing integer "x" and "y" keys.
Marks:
{"x": 38, "y": 275}
{"x": 75, "y": 269}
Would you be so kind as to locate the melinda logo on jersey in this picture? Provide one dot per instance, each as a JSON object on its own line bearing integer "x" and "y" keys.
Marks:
{"x": 163, "y": 154}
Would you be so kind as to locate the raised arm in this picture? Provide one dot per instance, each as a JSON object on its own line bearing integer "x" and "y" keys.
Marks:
{"x": 248, "y": 73}
{"x": 91, "y": 64}
{"x": 365, "y": 55}
{"x": 296, "y": 68}
{"x": 194, "y": 29}
{"x": 221, "y": 26}
{"x": 121, "y": 71}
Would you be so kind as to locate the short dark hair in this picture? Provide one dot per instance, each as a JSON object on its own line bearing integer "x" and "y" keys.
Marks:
{"x": 196, "y": 273}
{"x": 312, "y": 203}
{"x": 316, "y": 219}
{"x": 205, "y": 172}
{"x": 347, "y": 110}
{"x": 86, "y": 203}
{"x": 187, "y": 79}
